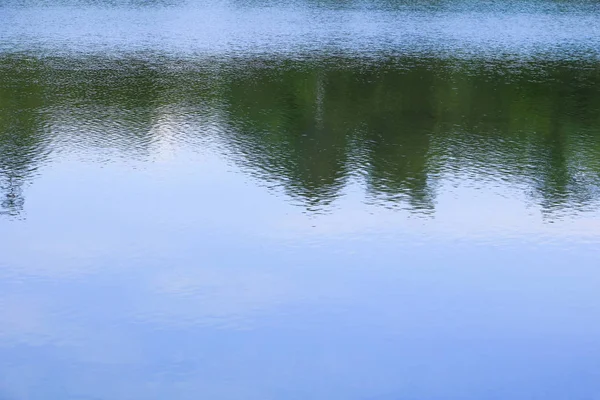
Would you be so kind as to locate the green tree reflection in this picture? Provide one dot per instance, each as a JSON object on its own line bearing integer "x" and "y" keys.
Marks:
{"x": 310, "y": 126}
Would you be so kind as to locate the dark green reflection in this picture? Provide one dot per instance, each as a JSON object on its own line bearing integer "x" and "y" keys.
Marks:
{"x": 22, "y": 136}
{"x": 399, "y": 126}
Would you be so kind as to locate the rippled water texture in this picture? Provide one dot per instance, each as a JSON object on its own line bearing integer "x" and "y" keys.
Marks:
{"x": 299, "y": 200}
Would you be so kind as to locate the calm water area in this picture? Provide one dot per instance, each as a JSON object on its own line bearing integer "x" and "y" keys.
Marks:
{"x": 269, "y": 200}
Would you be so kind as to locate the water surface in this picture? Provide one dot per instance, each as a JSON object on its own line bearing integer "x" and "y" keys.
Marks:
{"x": 324, "y": 200}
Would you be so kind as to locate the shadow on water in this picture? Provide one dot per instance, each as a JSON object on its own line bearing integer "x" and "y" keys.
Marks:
{"x": 397, "y": 126}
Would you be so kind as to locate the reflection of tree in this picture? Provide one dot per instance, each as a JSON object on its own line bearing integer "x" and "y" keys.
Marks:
{"x": 281, "y": 124}
{"x": 560, "y": 178}
{"x": 311, "y": 128}
{"x": 12, "y": 203}
{"x": 308, "y": 126}
{"x": 395, "y": 113}
{"x": 21, "y": 139}
{"x": 552, "y": 176}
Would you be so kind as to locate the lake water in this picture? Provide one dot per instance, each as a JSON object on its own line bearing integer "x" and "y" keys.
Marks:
{"x": 358, "y": 200}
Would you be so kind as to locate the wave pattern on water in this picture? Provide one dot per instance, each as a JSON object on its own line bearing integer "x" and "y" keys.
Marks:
{"x": 523, "y": 30}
